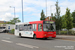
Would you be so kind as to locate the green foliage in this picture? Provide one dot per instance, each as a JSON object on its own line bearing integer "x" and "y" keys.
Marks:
{"x": 73, "y": 24}
{"x": 63, "y": 21}
{"x": 71, "y": 32}
{"x": 58, "y": 18}
{"x": 73, "y": 15}
{"x": 63, "y": 32}
{"x": 42, "y": 16}
{"x": 69, "y": 19}
{"x": 13, "y": 21}
{"x": 58, "y": 22}
{"x": 12, "y": 31}
{"x": 54, "y": 18}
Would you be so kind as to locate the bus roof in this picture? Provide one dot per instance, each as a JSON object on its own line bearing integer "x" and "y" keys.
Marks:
{"x": 22, "y": 23}
{"x": 33, "y": 22}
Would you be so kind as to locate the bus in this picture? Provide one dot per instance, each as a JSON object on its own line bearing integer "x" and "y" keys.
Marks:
{"x": 36, "y": 29}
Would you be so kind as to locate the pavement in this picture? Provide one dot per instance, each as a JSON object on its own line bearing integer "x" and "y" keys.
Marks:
{"x": 11, "y": 42}
{"x": 66, "y": 37}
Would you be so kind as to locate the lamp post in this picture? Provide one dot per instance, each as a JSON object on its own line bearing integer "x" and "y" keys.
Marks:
{"x": 14, "y": 12}
{"x": 22, "y": 12}
{"x": 46, "y": 8}
{"x": 51, "y": 11}
{"x": 51, "y": 8}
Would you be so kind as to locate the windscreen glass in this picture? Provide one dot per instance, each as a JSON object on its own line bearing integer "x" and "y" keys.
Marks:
{"x": 49, "y": 26}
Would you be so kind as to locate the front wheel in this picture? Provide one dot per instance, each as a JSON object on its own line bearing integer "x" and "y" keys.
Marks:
{"x": 45, "y": 38}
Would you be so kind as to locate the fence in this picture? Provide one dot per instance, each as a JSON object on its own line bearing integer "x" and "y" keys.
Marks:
{"x": 66, "y": 32}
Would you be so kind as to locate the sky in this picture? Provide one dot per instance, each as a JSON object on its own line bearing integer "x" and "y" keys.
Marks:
{"x": 32, "y": 8}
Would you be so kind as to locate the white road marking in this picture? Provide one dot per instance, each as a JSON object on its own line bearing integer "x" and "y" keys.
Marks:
{"x": 25, "y": 45}
{"x": 7, "y": 38}
{"x": 7, "y": 41}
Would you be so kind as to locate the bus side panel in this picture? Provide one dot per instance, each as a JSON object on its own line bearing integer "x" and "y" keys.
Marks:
{"x": 43, "y": 34}
{"x": 16, "y": 32}
{"x": 38, "y": 34}
{"x": 27, "y": 33}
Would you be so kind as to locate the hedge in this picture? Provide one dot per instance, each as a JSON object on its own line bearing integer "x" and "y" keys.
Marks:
{"x": 70, "y": 32}
{"x": 12, "y": 31}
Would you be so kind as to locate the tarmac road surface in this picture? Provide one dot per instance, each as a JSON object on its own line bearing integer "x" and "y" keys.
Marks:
{"x": 11, "y": 42}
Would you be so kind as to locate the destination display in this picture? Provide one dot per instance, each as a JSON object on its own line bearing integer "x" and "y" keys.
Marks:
{"x": 48, "y": 22}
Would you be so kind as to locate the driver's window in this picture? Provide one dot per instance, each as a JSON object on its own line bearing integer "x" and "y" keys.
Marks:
{"x": 51, "y": 27}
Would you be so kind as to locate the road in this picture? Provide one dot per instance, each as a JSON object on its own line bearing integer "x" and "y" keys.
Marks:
{"x": 66, "y": 37}
{"x": 11, "y": 42}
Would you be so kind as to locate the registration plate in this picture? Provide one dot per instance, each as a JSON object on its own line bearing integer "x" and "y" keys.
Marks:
{"x": 50, "y": 36}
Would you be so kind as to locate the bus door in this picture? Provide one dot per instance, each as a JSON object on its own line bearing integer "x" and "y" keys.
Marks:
{"x": 40, "y": 31}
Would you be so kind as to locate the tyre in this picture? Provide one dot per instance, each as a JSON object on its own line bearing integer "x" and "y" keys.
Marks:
{"x": 45, "y": 38}
{"x": 20, "y": 35}
{"x": 34, "y": 36}
{"x": 53, "y": 37}
{"x": 4, "y": 31}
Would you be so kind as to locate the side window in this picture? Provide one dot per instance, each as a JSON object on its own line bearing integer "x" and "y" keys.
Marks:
{"x": 21, "y": 28}
{"x": 39, "y": 27}
{"x": 34, "y": 27}
{"x": 25, "y": 27}
{"x": 29, "y": 27}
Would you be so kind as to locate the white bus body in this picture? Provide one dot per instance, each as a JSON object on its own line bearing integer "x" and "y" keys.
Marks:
{"x": 19, "y": 32}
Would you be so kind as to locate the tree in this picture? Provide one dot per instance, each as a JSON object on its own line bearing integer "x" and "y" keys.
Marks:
{"x": 42, "y": 16}
{"x": 58, "y": 18}
{"x": 69, "y": 19}
{"x": 73, "y": 15}
{"x": 63, "y": 21}
{"x": 13, "y": 21}
{"x": 54, "y": 18}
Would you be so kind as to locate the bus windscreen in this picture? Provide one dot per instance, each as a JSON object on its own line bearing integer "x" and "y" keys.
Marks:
{"x": 49, "y": 26}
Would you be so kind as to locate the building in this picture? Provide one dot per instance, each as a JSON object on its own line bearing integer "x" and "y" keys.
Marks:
{"x": 48, "y": 18}
{"x": 2, "y": 23}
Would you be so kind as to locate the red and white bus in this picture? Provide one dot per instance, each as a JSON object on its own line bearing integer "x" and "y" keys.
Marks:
{"x": 36, "y": 29}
